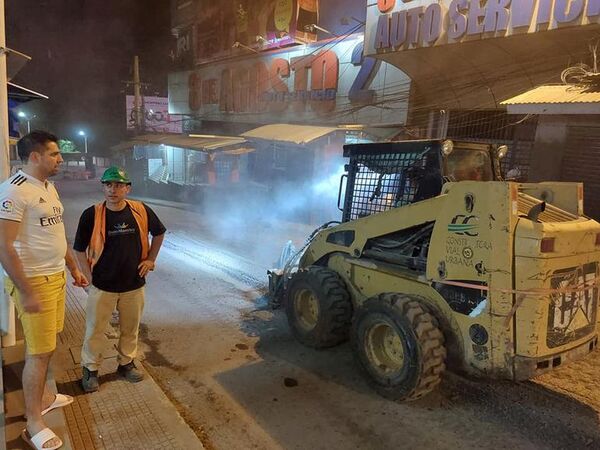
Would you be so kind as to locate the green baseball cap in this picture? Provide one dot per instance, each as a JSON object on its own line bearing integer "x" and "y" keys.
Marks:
{"x": 116, "y": 174}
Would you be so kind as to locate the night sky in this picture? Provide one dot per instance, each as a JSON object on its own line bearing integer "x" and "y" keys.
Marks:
{"x": 81, "y": 52}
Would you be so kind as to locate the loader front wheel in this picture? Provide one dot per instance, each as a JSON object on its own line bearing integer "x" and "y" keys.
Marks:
{"x": 318, "y": 307}
{"x": 399, "y": 345}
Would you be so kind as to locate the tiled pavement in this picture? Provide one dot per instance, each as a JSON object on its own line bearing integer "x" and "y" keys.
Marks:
{"x": 121, "y": 415}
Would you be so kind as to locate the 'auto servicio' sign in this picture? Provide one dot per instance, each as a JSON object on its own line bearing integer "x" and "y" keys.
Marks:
{"x": 409, "y": 24}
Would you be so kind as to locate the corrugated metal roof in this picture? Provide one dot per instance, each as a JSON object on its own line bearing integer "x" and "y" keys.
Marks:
{"x": 297, "y": 134}
{"x": 200, "y": 142}
{"x": 194, "y": 141}
{"x": 555, "y": 94}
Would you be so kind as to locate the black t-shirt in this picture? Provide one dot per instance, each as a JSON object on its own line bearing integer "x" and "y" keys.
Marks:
{"x": 117, "y": 269}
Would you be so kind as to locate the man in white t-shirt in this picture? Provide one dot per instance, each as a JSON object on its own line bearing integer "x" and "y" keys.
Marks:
{"x": 33, "y": 252}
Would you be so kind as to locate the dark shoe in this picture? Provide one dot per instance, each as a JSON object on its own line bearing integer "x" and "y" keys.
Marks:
{"x": 130, "y": 372}
{"x": 89, "y": 381}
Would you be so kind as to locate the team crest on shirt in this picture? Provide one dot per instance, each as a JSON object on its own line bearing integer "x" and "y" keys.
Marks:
{"x": 7, "y": 206}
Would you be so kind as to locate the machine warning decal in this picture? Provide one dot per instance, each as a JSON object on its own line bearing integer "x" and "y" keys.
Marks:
{"x": 572, "y": 315}
{"x": 464, "y": 225}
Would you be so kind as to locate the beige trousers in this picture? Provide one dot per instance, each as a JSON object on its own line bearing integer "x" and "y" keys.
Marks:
{"x": 100, "y": 305}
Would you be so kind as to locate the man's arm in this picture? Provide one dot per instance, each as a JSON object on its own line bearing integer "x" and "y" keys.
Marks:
{"x": 84, "y": 264}
{"x": 149, "y": 263}
{"x": 80, "y": 279}
{"x": 82, "y": 241}
{"x": 13, "y": 265}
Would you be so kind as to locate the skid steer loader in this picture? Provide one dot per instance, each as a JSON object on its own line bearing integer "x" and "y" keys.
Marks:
{"x": 438, "y": 262}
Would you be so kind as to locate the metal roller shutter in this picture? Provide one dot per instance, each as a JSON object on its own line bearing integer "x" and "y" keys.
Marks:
{"x": 582, "y": 163}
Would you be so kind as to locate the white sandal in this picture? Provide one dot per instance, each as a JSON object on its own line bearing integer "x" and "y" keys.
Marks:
{"x": 37, "y": 442}
{"x": 60, "y": 401}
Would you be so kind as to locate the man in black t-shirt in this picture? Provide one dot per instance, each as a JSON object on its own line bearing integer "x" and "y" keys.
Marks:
{"x": 114, "y": 251}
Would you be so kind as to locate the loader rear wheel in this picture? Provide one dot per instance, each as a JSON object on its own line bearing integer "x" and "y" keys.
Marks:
{"x": 318, "y": 307}
{"x": 399, "y": 345}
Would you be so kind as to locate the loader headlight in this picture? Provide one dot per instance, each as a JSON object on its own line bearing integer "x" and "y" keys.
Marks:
{"x": 447, "y": 147}
{"x": 502, "y": 151}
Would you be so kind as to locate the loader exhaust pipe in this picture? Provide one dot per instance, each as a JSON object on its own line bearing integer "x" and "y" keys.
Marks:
{"x": 535, "y": 211}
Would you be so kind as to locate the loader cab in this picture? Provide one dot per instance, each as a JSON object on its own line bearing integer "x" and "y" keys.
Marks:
{"x": 381, "y": 176}
{"x": 465, "y": 161}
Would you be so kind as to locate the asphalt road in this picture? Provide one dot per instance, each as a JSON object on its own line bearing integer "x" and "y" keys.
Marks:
{"x": 241, "y": 381}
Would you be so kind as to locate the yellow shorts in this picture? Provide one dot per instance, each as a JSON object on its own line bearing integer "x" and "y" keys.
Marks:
{"x": 41, "y": 328}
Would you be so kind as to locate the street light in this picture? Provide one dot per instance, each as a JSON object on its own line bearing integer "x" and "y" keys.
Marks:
{"x": 22, "y": 115}
{"x": 82, "y": 133}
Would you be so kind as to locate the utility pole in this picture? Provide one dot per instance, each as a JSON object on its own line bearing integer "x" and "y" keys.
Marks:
{"x": 7, "y": 308}
{"x": 4, "y": 146}
{"x": 138, "y": 113}
{"x": 137, "y": 99}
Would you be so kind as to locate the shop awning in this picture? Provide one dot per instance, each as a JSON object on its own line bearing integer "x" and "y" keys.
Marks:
{"x": 296, "y": 134}
{"x": 22, "y": 94}
{"x": 201, "y": 142}
{"x": 555, "y": 99}
{"x": 14, "y": 62}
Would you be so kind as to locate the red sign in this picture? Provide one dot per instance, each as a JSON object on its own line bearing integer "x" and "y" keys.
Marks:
{"x": 385, "y": 5}
{"x": 326, "y": 83}
{"x": 261, "y": 88}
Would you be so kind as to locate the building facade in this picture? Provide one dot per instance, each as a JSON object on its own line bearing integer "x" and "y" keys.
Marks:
{"x": 242, "y": 67}
{"x": 465, "y": 58}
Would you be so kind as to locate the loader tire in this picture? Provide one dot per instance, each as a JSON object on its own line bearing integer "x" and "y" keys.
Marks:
{"x": 399, "y": 345}
{"x": 318, "y": 307}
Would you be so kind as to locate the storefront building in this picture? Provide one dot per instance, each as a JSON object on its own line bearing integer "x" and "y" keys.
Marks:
{"x": 240, "y": 66}
{"x": 464, "y": 58}
{"x": 567, "y": 145}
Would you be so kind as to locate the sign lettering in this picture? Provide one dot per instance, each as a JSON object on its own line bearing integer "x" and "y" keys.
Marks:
{"x": 424, "y": 25}
{"x": 259, "y": 88}
{"x": 368, "y": 68}
{"x": 302, "y": 84}
{"x": 385, "y": 5}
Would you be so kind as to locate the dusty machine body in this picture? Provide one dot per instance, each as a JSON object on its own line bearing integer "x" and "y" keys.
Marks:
{"x": 439, "y": 262}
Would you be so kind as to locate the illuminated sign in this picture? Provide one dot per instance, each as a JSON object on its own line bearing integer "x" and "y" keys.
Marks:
{"x": 325, "y": 82}
{"x": 409, "y": 24}
{"x": 157, "y": 118}
{"x": 258, "y": 24}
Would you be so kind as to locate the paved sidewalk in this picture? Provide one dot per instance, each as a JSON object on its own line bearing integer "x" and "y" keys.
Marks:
{"x": 121, "y": 415}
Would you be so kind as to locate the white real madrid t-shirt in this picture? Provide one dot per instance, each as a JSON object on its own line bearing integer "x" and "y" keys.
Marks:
{"x": 41, "y": 242}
